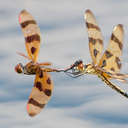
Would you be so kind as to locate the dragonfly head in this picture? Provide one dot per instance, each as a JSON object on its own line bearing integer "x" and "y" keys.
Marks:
{"x": 19, "y": 68}
{"x": 78, "y": 66}
{"x": 75, "y": 70}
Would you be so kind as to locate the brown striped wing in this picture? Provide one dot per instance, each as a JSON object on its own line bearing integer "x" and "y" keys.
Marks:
{"x": 31, "y": 33}
{"x": 41, "y": 93}
{"x": 95, "y": 37}
{"x": 110, "y": 60}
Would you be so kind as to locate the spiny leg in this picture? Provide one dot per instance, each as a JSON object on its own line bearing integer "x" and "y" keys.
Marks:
{"x": 116, "y": 88}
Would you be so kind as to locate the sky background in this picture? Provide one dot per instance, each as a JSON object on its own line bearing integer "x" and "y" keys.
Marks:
{"x": 85, "y": 102}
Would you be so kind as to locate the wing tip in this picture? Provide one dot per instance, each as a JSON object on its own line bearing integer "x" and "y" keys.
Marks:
{"x": 119, "y": 27}
{"x": 22, "y": 12}
{"x": 87, "y": 13}
{"x": 31, "y": 114}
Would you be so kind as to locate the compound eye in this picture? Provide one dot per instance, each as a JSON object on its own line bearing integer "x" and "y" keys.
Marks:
{"x": 80, "y": 62}
{"x": 19, "y": 68}
{"x": 81, "y": 65}
{"x": 75, "y": 69}
{"x": 76, "y": 63}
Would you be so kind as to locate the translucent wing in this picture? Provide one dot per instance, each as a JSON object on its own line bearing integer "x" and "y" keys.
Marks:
{"x": 41, "y": 93}
{"x": 95, "y": 37}
{"x": 31, "y": 33}
{"x": 110, "y": 60}
{"x": 118, "y": 76}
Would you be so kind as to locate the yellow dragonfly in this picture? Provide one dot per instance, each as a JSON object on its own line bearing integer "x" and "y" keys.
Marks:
{"x": 43, "y": 85}
{"x": 107, "y": 65}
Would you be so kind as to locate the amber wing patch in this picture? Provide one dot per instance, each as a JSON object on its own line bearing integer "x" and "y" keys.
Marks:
{"x": 41, "y": 93}
{"x": 31, "y": 33}
{"x": 95, "y": 37}
{"x": 110, "y": 60}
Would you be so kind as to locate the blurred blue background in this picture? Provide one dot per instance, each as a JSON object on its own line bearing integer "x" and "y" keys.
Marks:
{"x": 85, "y": 102}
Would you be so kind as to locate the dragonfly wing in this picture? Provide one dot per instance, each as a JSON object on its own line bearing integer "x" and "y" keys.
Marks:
{"x": 31, "y": 33}
{"x": 120, "y": 77}
{"x": 112, "y": 75}
{"x": 41, "y": 93}
{"x": 116, "y": 88}
{"x": 95, "y": 37}
{"x": 110, "y": 60}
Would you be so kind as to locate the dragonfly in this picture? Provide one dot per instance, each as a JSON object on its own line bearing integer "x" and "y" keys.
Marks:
{"x": 43, "y": 85}
{"x": 105, "y": 65}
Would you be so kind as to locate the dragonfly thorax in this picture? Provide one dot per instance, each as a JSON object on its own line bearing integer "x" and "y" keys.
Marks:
{"x": 30, "y": 68}
{"x": 78, "y": 66}
{"x": 89, "y": 68}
